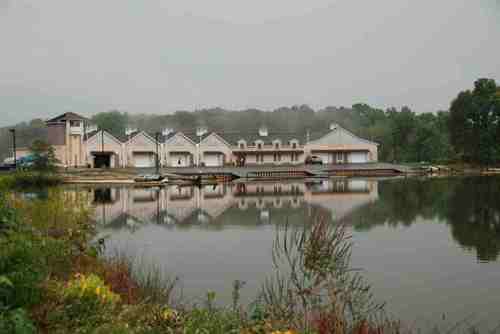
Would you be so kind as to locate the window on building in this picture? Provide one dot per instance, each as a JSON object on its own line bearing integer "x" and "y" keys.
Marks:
{"x": 74, "y": 123}
{"x": 259, "y": 146}
{"x": 294, "y": 145}
{"x": 242, "y": 146}
{"x": 277, "y": 146}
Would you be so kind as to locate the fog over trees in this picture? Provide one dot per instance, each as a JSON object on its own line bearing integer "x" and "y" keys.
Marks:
{"x": 470, "y": 131}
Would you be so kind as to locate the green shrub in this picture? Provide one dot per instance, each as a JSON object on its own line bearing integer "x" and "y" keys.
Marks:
{"x": 30, "y": 179}
{"x": 16, "y": 321}
{"x": 211, "y": 321}
{"x": 7, "y": 215}
{"x": 64, "y": 215}
{"x": 82, "y": 305}
{"x": 21, "y": 264}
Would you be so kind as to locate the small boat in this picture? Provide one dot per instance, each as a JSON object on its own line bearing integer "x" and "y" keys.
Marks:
{"x": 153, "y": 178}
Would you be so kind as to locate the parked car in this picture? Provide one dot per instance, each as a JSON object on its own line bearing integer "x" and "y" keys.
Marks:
{"x": 8, "y": 161}
{"x": 314, "y": 160}
{"x": 26, "y": 162}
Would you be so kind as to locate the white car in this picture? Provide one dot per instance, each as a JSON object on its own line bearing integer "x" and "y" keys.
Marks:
{"x": 9, "y": 161}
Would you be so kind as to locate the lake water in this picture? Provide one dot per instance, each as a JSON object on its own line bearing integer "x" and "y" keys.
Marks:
{"x": 429, "y": 247}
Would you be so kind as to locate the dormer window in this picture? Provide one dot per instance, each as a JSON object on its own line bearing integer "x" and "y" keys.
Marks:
{"x": 259, "y": 144}
{"x": 263, "y": 131}
{"x": 294, "y": 143}
{"x": 242, "y": 144}
{"x": 276, "y": 144}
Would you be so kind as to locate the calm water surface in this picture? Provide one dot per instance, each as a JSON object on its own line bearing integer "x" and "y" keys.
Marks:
{"x": 429, "y": 247}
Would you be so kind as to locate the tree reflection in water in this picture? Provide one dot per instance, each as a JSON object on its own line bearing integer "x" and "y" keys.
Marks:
{"x": 470, "y": 205}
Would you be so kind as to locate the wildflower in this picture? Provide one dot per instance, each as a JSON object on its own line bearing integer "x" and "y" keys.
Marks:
{"x": 168, "y": 314}
{"x": 98, "y": 290}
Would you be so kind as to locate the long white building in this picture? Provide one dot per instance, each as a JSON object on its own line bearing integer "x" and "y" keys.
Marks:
{"x": 79, "y": 144}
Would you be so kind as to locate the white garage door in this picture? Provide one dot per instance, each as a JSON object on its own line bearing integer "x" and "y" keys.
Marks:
{"x": 357, "y": 157}
{"x": 144, "y": 160}
{"x": 212, "y": 160}
{"x": 357, "y": 185}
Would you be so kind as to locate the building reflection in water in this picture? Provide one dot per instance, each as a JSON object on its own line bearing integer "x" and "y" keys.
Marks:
{"x": 259, "y": 202}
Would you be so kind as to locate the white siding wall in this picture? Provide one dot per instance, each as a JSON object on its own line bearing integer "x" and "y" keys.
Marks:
{"x": 176, "y": 147}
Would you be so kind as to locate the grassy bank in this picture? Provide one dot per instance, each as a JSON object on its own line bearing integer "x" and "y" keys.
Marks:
{"x": 53, "y": 280}
{"x": 29, "y": 179}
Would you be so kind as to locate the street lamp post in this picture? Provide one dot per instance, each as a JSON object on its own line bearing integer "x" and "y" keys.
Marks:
{"x": 157, "y": 137}
{"x": 13, "y": 131}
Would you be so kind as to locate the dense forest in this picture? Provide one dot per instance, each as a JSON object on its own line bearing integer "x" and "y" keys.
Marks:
{"x": 469, "y": 131}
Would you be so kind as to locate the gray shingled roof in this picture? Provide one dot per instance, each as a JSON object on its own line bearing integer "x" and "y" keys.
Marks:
{"x": 122, "y": 138}
{"x": 68, "y": 116}
{"x": 251, "y": 137}
{"x": 318, "y": 134}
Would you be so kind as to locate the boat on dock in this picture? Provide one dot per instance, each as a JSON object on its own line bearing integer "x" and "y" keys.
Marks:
{"x": 150, "y": 179}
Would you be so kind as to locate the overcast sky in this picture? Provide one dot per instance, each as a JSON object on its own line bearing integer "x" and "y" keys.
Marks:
{"x": 158, "y": 56}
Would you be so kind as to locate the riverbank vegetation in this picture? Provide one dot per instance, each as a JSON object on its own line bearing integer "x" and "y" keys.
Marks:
{"x": 29, "y": 179}
{"x": 40, "y": 172}
{"x": 53, "y": 280}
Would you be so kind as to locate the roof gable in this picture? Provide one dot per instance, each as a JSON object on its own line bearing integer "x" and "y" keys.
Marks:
{"x": 107, "y": 136}
{"x": 179, "y": 139}
{"x": 68, "y": 116}
{"x": 142, "y": 138}
{"x": 214, "y": 140}
{"x": 341, "y": 136}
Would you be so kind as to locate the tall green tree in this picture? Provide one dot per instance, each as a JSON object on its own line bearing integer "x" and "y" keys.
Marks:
{"x": 44, "y": 157}
{"x": 112, "y": 121}
{"x": 475, "y": 123}
{"x": 403, "y": 125}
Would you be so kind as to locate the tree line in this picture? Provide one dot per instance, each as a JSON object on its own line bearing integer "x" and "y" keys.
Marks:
{"x": 469, "y": 131}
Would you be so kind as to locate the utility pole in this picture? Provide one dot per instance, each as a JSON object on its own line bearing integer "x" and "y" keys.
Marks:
{"x": 102, "y": 141}
{"x": 199, "y": 151}
{"x": 13, "y": 131}
{"x": 102, "y": 146}
{"x": 157, "y": 137}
